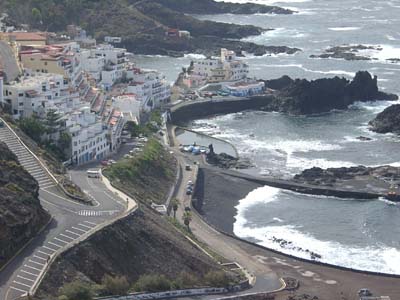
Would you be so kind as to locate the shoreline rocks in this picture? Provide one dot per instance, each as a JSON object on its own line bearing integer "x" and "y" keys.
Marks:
{"x": 387, "y": 121}
{"x": 226, "y": 161}
{"x": 347, "y": 52}
{"x": 303, "y": 97}
{"x": 333, "y": 176}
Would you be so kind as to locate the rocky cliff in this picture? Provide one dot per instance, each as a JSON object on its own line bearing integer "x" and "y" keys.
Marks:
{"x": 21, "y": 215}
{"x": 387, "y": 121}
{"x": 301, "y": 97}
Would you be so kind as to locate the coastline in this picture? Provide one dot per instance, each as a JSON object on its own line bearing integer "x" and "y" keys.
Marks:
{"x": 229, "y": 189}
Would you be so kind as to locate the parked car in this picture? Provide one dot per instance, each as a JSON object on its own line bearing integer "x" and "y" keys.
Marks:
{"x": 189, "y": 191}
{"x": 111, "y": 161}
{"x": 105, "y": 163}
{"x": 187, "y": 208}
{"x": 1, "y": 124}
{"x": 188, "y": 168}
{"x": 364, "y": 293}
{"x": 190, "y": 183}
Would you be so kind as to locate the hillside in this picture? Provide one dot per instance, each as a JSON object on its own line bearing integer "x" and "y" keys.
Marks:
{"x": 142, "y": 24}
{"x": 21, "y": 215}
{"x": 148, "y": 176}
{"x": 140, "y": 244}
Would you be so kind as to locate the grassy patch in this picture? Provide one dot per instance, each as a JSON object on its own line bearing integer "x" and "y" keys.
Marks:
{"x": 148, "y": 176}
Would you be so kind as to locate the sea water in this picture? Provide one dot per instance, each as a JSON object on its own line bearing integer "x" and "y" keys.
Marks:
{"x": 362, "y": 234}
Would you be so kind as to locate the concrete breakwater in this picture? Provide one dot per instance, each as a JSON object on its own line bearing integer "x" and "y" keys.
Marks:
{"x": 187, "y": 111}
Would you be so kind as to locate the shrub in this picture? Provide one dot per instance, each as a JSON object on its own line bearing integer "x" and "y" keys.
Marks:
{"x": 185, "y": 280}
{"x": 115, "y": 285}
{"x": 77, "y": 290}
{"x": 152, "y": 283}
{"x": 217, "y": 279}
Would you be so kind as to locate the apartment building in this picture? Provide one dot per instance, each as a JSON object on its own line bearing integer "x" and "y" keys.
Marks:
{"x": 149, "y": 86}
{"x": 63, "y": 59}
{"x": 89, "y": 137}
{"x": 37, "y": 94}
{"x": 226, "y": 68}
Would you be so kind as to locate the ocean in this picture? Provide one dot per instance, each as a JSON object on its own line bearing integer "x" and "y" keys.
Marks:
{"x": 361, "y": 234}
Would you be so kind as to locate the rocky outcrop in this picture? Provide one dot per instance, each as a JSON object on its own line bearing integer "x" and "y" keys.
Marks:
{"x": 226, "y": 161}
{"x": 21, "y": 215}
{"x": 213, "y": 7}
{"x": 387, "y": 121}
{"x": 302, "y": 97}
{"x": 331, "y": 176}
{"x": 347, "y": 52}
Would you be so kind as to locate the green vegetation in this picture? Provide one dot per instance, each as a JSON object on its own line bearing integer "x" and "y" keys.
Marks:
{"x": 76, "y": 290}
{"x": 148, "y": 128}
{"x": 175, "y": 205}
{"x": 158, "y": 283}
{"x": 148, "y": 176}
{"x": 118, "y": 285}
{"x": 45, "y": 133}
{"x": 187, "y": 218}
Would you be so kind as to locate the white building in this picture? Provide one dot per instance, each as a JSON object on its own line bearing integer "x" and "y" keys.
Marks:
{"x": 89, "y": 137}
{"x": 149, "y": 86}
{"x": 39, "y": 93}
{"x": 105, "y": 63}
{"x": 226, "y": 68}
{"x": 245, "y": 88}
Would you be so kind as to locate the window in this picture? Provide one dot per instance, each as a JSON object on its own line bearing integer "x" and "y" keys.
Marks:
{"x": 21, "y": 104}
{"x": 45, "y": 63}
{"x": 20, "y": 94}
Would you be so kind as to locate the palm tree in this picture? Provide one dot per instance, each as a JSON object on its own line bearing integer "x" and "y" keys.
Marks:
{"x": 187, "y": 218}
{"x": 175, "y": 204}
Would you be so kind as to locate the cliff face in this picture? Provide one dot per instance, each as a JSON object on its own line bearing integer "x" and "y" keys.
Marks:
{"x": 21, "y": 215}
{"x": 387, "y": 121}
{"x": 301, "y": 97}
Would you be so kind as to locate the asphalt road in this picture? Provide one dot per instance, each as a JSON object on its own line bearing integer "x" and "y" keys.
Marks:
{"x": 71, "y": 220}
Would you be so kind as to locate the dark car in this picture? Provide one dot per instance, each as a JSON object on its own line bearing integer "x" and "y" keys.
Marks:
{"x": 189, "y": 191}
{"x": 187, "y": 208}
{"x": 1, "y": 123}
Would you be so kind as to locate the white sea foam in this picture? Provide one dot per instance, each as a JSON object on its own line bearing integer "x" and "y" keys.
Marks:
{"x": 377, "y": 258}
{"x": 373, "y": 106}
{"x": 194, "y": 56}
{"x": 344, "y": 28}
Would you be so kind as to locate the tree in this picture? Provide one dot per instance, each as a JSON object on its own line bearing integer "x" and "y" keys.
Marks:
{"x": 77, "y": 290}
{"x": 187, "y": 218}
{"x": 175, "y": 205}
{"x": 118, "y": 285}
{"x": 33, "y": 128}
{"x": 51, "y": 121}
{"x": 37, "y": 16}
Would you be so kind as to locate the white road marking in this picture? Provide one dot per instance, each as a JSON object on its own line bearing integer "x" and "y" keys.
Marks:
{"x": 67, "y": 236}
{"x": 83, "y": 225}
{"x": 60, "y": 240}
{"x": 24, "y": 278}
{"x": 38, "y": 257}
{"x": 51, "y": 249}
{"x": 35, "y": 262}
{"x": 54, "y": 244}
{"x": 44, "y": 252}
{"x": 26, "y": 272}
{"x": 91, "y": 223}
{"x": 33, "y": 268}
{"x": 78, "y": 229}
{"x": 19, "y": 290}
{"x": 17, "y": 282}
{"x": 69, "y": 231}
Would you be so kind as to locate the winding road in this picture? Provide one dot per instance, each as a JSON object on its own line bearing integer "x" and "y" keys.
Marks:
{"x": 71, "y": 221}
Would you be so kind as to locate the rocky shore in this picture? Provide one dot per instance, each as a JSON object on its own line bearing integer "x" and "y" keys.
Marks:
{"x": 387, "y": 121}
{"x": 364, "y": 178}
{"x": 303, "y": 97}
{"x": 347, "y": 52}
{"x": 226, "y": 161}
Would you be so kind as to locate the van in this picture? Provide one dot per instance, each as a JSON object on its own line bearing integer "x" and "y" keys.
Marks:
{"x": 93, "y": 173}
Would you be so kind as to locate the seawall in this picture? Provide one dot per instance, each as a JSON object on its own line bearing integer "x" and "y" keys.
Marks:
{"x": 187, "y": 111}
